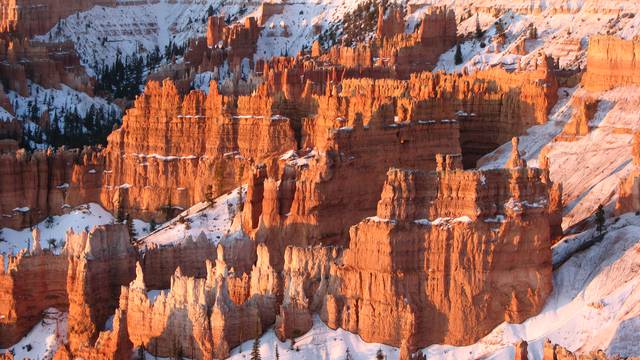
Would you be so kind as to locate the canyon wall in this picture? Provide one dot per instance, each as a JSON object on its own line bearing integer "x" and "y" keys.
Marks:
{"x": 170, "y": 148}
{"x": 84, "y": 278}
{"x": 46, "y": 183}
{"x": 48, "y": 65}
{"x": 36, "y": 17}
{"x": 611, "y": 62}
{"x": 34, "y": 281}
{"x": 459, "y": 240}
{"x": 629, "y": 187}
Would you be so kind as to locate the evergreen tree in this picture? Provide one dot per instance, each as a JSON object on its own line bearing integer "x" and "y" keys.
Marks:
{"x": 130, "y": 228}
{"x": 208, "y": 195}
{"x": 277, "y": 353}
{"x": 533, "y": 32}
{"x": 458, "y": 56}
{"x": 479, "y": 31}
{"x": 255, "y": 351}
{"x": 348, "y": 355}
{"x": 379, "y": 354}
{"x": 210, "y": 11}
{"x": 600, "y": 219}
{"x": 499, "y": 28}
{"x": 152, "y": 225}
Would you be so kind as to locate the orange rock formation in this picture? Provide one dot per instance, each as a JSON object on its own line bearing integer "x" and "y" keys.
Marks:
{"x": 611, "y": 62}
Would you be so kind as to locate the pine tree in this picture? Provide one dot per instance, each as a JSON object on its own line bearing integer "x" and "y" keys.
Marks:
{"x": 348, "y": 355}
{"x": 130, "y": 228}
{"x": 277, "y": 353}
{"x": 255, "y": 351}
{"x": 458, "y": 56}
{"x": 533, "y": 32}
{"x": 379, "y": 354}
{"x": 208, "y": 195}
{"x": 479, "y": 31}
{"x": 600, "y": 219}
{"x": 499, "y": 28}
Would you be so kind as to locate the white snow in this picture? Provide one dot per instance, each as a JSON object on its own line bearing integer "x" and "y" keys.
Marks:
{"x": 319, "y": 343}
{"x": 214, "y": 221}
{"x": 44, "y": 339}
{"x": 54, "y": 228}
{"x": 590, "y": 167}
{"x": 563, "y": 27}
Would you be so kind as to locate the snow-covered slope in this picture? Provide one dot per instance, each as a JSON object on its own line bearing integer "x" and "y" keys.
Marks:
{"x": 563, "y": 29}
{"x": 44, "y": 339}
{"x": 214, "y": 221}
{"x": 591, "y": 167}
{"x": 53, "y": 229}
{"x": 319, "y": 343}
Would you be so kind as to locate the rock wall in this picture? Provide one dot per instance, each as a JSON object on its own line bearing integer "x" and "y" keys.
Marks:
{"x": 34, "y": 281}
{"x": 420, "y": 51}
{"x": 170, "y": 148}
{"x": 100, "y": 262}
{"x": 85, "y": 279}
{"x": 48, "y": 65}
{"x": 195, "y": 317}
{"x": 36, "y": 17}
{"x": 159, "y": 263}
{"x": 465, "y": 246}
{"x": 47, "y": 183}
{"x": 629, "y": 187}
{"x": 611, "y": 62}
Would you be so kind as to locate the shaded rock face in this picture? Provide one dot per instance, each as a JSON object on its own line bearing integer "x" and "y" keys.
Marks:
{"x": 34, "y": 281}
{"x": 100, "y": 262}
{"x": 578, "y": 125}
{"x": 223, "y": 45}
{"x": 629, "y": 187}
{"x": 46, "y": 183}
{"x": 400, "y": 52}
{"x": 390, "y": 22}
{"x": 159, "y": 263}
{"x": 302, "y": 201}
{"x": 421, "y": 50}
{"x": 36, "y": 17}
{"x": 84, "y": 279}
{"x": 195, "y": 317}
{"x": 611, "y": 62}
{"x": 48, "y": 65}
{"x": 473, "y": 249}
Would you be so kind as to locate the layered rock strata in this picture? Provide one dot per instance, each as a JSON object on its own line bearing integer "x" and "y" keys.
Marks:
{"x": 449, "y": 255}
{"x": 47, "y": 183}
{"x": 171, "y": 148}
{"x": 35, "y": 17}
{"x": 34, "y": 281}
{"x": 48, "y": 65}
{"x": 629, "y": 187}
{"x": 611, "y": 62}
